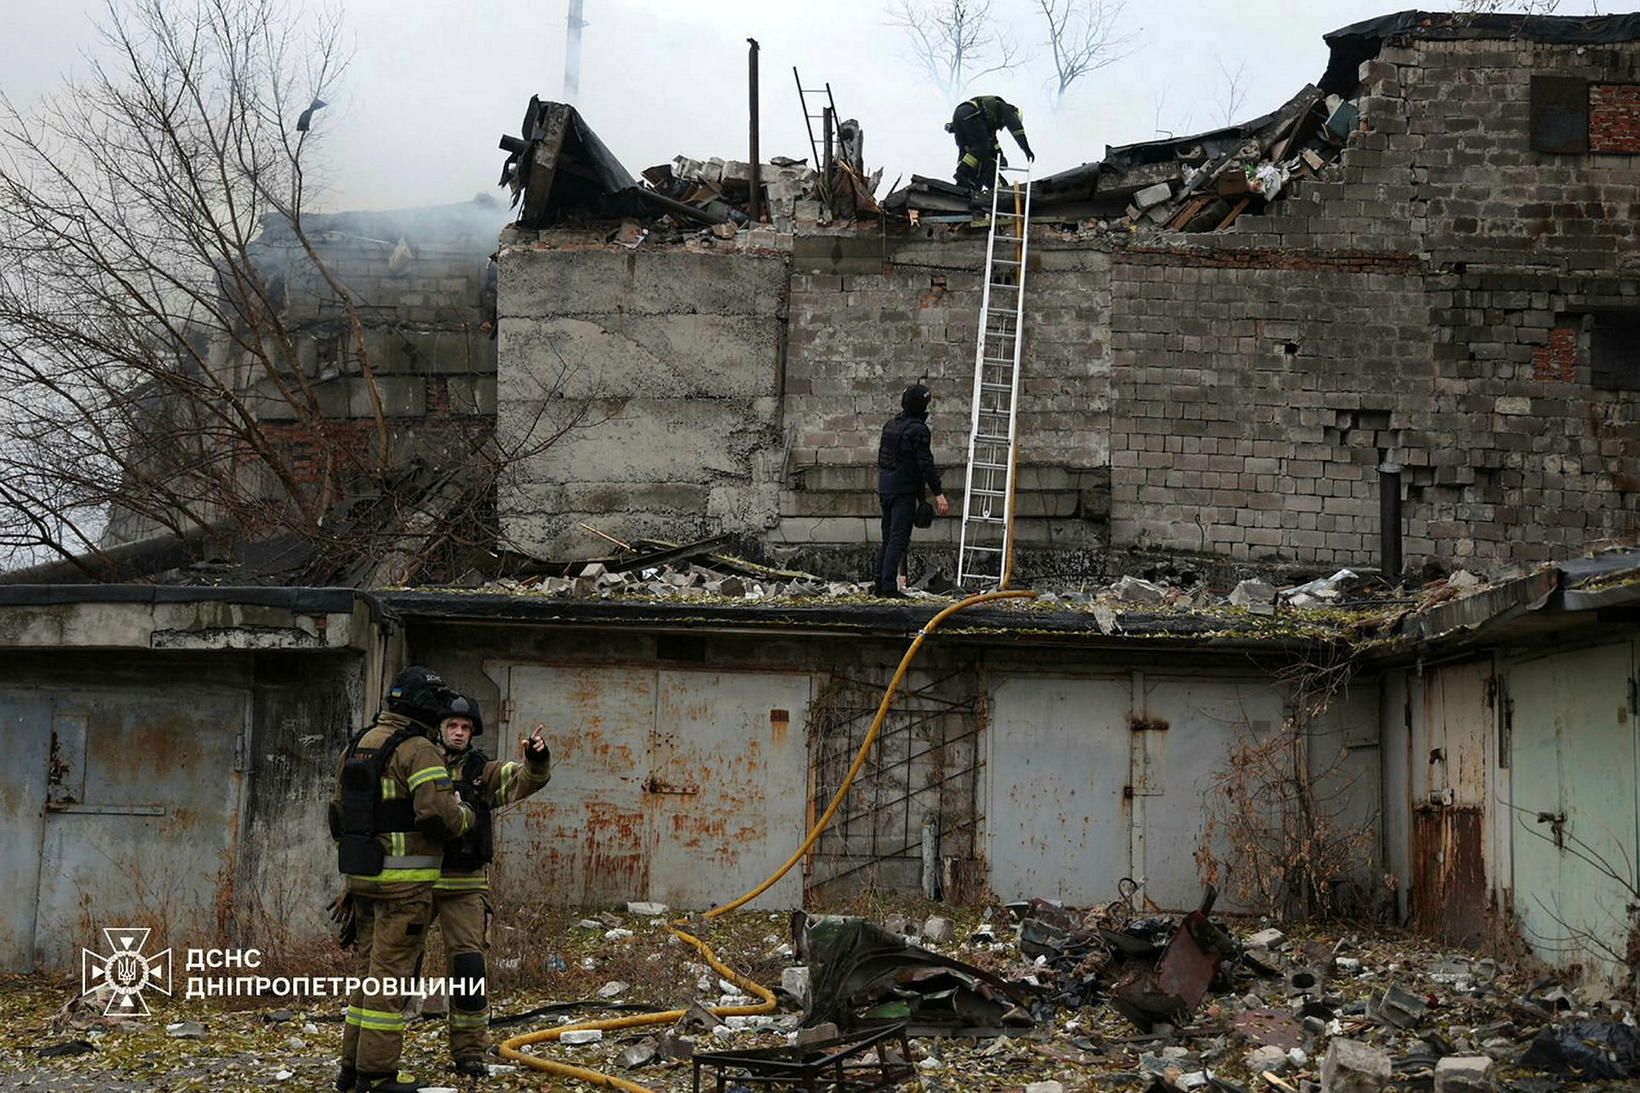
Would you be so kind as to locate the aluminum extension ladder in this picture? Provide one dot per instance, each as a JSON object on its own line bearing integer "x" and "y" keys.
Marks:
{"x": 985, "y": 554}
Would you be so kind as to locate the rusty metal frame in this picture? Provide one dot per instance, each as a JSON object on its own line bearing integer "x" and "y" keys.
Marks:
{"x": 837, "y": 720}
{"x": 827, "y": 1064}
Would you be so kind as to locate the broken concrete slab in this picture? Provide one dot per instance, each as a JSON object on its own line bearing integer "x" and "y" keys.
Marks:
{"x": 1353, "y": 1067}
{"x": 1253, "y": 593}
{"x": 1464, "y": 1074}
{"x": 1135, "y": 590}
{"x": 1153, "y": 195}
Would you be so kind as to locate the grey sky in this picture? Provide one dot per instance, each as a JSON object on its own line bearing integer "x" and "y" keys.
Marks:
{"x": 434, "y": 83}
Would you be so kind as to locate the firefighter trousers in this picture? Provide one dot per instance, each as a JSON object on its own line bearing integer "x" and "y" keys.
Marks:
{"x": 464, "y": 919}
{"x": 391, "y": 934}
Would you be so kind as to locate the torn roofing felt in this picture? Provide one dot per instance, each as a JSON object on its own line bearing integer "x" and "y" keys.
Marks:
{"x": 560, "y": 167}
{"x": 1361, "y": 41}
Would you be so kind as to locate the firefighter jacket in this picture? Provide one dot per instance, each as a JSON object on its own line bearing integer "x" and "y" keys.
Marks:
{"x": 999, "y": 113}
{"x": 415, "y": 770}
{"x": 905, "y": 462}
{"x": 486, "y": 784}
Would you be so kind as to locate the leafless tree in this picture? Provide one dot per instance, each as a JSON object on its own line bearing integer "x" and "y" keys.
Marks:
{"x": 1232, "y": 89}
{"x": 150, "y": 364}
{"x": 954, "y": 41}
{"x": 1158, "y": 104}
{"x": 1083, "y": 37}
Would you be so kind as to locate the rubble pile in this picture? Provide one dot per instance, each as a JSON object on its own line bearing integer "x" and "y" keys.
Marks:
{"x": 1198, "y": 183}
{"x": 658, "y": 572}
{"x": 559, "y": 171}
{"x": 1035, "y": 996}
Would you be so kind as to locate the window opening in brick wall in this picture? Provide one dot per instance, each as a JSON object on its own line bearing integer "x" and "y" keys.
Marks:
{"x": 1560, "y": 114}
{"x": 1614, "y": 350}
{"x": 1572, "y": 116}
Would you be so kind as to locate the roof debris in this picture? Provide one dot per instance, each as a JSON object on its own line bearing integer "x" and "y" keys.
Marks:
{"x": 559, "y": 171}
{"x": 1196, "y": 183}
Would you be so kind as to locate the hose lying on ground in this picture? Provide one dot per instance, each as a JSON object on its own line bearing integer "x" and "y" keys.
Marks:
{"x": 513, "y": 1048}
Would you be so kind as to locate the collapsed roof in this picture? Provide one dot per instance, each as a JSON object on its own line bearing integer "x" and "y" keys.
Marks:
{"x": 1203, "y": 182}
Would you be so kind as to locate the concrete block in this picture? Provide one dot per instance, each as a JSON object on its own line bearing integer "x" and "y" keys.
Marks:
{"x": 1464, "y": 1074}
{"x": 937, "y": 929}
{"x": 796, "y": 983}
{"x": 1353, "y": 1067}
{"x": 1152, "y": 195}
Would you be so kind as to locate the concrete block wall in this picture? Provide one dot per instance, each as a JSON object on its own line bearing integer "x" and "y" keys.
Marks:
{"x": 858, "y": 337}
{"x": 1253, "y": 404}
{"x": 417, "y": 279}
{"x": 1427, "y": 301}
{"x": 656, "y": 378}
{"x": 1428, "y": 304}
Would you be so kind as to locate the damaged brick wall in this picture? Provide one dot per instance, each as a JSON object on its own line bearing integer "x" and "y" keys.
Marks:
{"x": 1469, "y": 364}
{"x": 1445, "y": 297}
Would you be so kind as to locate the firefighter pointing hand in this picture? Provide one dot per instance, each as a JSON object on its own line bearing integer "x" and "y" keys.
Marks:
{"x": 461, "y": 899}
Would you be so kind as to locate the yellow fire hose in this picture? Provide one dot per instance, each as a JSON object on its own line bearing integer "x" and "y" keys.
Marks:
{"x": 512, "y": 1048}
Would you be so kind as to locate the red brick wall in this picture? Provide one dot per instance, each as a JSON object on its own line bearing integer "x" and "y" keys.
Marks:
{"x": 1555, "y": 362}
{"x": 1614, "y": 117}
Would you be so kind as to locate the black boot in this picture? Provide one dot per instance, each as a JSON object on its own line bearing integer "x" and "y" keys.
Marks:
{"x": 389, "y": 1082}
{"x": 472, "y": 1066}
{"x": 346, "y": 1078}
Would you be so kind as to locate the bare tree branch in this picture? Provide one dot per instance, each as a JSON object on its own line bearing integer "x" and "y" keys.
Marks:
{"x": 1082, "y": 38}
{"x": 955, "y": 42}
{"x": 173, "y": 333}
{"x": 1232, "y": 89}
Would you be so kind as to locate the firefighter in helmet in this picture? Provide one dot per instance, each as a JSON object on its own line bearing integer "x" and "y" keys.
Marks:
{"x": 975, "y": 125}
{"x": 461, "y": 900}
{"x": 394, "y": 810}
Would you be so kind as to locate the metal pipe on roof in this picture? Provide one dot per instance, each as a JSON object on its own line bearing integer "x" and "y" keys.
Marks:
{"x": 1389, "y": 521}
{"x": 754, "y": 206}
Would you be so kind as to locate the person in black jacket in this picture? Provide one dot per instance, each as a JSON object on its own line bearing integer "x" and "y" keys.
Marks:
{"x": 905, "y": 465}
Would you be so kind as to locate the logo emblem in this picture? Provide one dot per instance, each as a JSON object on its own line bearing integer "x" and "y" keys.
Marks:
{"x": 125, "y": 972}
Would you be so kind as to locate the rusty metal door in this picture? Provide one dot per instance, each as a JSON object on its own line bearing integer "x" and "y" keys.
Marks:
{"x": 25, "y": 724}
{"x": 1449, "y": 817}
{"x": 1573, "y": 763}
{"x": 1056, "y": 822}
{"x": 1184, "y": 731}
{"x": 684, "y": 787}
{"x": 583, "y": 837}
{"x": 141, "y": 817}
{"x": 726, "y": 793}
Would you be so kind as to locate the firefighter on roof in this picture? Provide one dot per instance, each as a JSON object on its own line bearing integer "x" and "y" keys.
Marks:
{"x": 975, "y": 124}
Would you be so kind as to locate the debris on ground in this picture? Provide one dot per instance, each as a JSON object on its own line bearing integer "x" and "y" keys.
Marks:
{"x": 1438, "y": 1020}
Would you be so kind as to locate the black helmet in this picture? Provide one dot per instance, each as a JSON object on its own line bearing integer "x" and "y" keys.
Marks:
{"x": 462, "y": 706}
{"x": 419, "y": 694}
{"x": 915, "y": 399}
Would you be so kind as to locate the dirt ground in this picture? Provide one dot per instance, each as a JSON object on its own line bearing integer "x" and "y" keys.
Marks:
{"x": 1473, "y": 1006}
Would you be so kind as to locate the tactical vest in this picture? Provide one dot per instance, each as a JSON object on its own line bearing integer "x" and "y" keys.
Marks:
{"x": 364, "y": 813}
{"x": 889, "y": 444}
{"x": 473, "y": 851}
